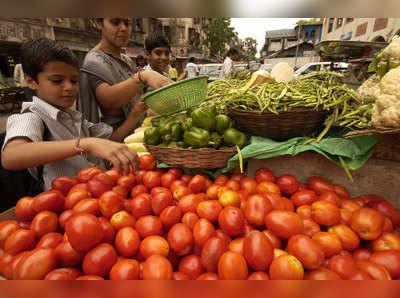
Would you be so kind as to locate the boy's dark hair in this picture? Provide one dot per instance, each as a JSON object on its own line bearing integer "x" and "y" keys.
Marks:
{"x": 37, "y": 53}
{"x": 156, "y": 40}
{"x": 232, "y": 51}
{"x": 192, "y": 59}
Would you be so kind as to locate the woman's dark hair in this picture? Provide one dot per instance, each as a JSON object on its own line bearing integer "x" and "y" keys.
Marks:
{"x": 232, "y": 51}
{"x": 192, "y": 59}
{"x": 37, "y": 53}
{"x": 156, "y": 40}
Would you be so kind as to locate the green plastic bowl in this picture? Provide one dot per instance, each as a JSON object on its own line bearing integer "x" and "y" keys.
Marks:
{"x": 178, "y": 96}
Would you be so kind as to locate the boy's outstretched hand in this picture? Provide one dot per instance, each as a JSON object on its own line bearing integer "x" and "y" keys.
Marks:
{"x": 118, "y": 154}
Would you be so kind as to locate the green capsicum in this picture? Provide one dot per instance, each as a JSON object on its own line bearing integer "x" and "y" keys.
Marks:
{"x": 152, "y": 136}
{"x": 215, "y": 140}
{"x": 222, "y": 123}
{"x": 196, "y": 137}
{"x": 234, "y": 137}
{"x": 176, "y": 132}
{"x": 187, "y": 123}
{"x": 155, "y": 122}
{"x": 204, "y": 117}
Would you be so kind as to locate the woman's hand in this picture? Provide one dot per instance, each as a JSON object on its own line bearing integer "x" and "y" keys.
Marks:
{"x": 118, "y": 154}
{"x": 154, "y": 79}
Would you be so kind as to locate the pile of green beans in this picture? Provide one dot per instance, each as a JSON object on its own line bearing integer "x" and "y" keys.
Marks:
{"x": 317, "y": 90}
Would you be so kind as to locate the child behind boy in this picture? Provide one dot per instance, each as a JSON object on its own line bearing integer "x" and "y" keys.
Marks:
{"x": 53, "y": 71}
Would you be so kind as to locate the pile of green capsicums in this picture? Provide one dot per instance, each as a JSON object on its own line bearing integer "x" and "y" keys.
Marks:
{"x": 198, "y": 128}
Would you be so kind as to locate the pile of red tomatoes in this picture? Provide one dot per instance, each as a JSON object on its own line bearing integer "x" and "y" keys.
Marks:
{"x": 158, "y": 224}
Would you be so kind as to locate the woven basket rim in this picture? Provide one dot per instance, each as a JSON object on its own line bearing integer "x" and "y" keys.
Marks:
{"x": 202, "y": 150}
{"x": 173, "y": 85}
{"x": 295, "y": 110}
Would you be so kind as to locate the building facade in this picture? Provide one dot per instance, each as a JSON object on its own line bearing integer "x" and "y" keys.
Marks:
{"x": 360, "y": 29}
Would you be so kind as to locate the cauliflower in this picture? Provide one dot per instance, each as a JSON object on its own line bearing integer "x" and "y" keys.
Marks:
{"x": 393, "y": 49}
{"x": 282, "y": 72}
{"x": 390, "y": 83}
{"x": 369, "y": 87}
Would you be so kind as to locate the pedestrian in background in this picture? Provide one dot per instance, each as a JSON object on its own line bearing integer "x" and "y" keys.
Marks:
{"x": 227, "y": 66}
{"x": 140, "y": 63}
{"x": 173, "y": 72}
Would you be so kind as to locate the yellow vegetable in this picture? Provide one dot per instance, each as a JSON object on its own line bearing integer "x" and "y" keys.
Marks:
{"x": 139, "y": 129}
{"x": 147, "y": 122}
{"x": 137, "y": 147}
{"x": 142, "y": 153}
{"x": 137, "y": 137}
{"x": 259, "y": 77}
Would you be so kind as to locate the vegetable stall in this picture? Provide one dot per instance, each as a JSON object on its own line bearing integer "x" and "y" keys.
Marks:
{"x": 261, "y": 177}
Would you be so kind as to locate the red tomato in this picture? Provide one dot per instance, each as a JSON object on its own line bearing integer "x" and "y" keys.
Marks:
{"x": 186, "y": 178}
{"x": 221, "y": 180}
{"x": 51, "y": 200}
{"x": 180, "y": 276}
{"x": 345, "y": 216}
{"x": 258, "y": 251}
{"x": 388, "y": 225}
{"x": 63, "y": 274}
{"x": 209, "y": 210}
{"x": 174, "y": 186}
{"x": 114, "y": 174}
{"x": 67, "y": 256}
{"x": 36, "y": 264}
{"x": 128, "y": 181}
{"x": 191, "y": 266}
{"x": 181, "y": 191}
{"x": 62, "y": 219}
{"x": 160, "y": 201}
{"x": 284, "y": 224}
{"x": 320, "y": 185}
{"x": 249, "y": 185}
{"x": 231, "y": 220}
{"x": 125, "y": 269}
{"x": 258, "y": 276}
{"x": 19, "y": 241}
{"x": 350, "y": 205}
{"x": 122, "y": 219}
{"x": 268, "y": 187}
{"x": 303, "y": 197}
{"x": 50, "y": 240}
{"x": 87, "y": 206}
{"x": 89, "y": 277}
{"x": 306, "y": 250}
{"x": 127, "y": 242}
{"x": 63, "y": 184}
{"x": 331, "y": 197}
{"x": 264, "y": 175}
{"x": 236, "y": 245}
{"x": 330, "y": 243}
{"x": 99, "y": 260}
{"x": 229, "y": 198}
{"x": 304, "y": 211}
{"x": 87, "y": 174}
{"x": 74, "y": 197}
{"x": 24, "y": 209}
{"x": 7, "y": 227}
{"x": 108, "y": 230}
{"x": 325, "y": 213}
{"x": 180, "y": 239}
{"x": 275, "y": 241}
{"x": 387, "y": 210}
{"x": 121, "y": 190}
{"x": 232, "y": 266}
{"x": 233, "y": 185}
{"x": 100, "y": 184}
{"x": 10, "y": 271}
{"x": 148, "y": 225}
{"x": 341, "y": 192}
{"x": 286, "y": 267}
{"x": 84, "y": 231}
{"x": 157, "y": 268}
{"x": 110, "y": 203}
{"x": 141, "y": 205}
{"x": 321, "y": 274}
{"x": 212, "y": 191}
{"x": 197, "y": 184}
{"x": 211, "y": 253}
{"x": 360, "y": 275}
{"x": 310, "y": 227}
{"x": 202, "y": 231}
{"x": 170, "y": 216}
{"x": 386, "y": 241}
{"x": 147, "y": 162}
{"x": 79, "y": 186}
{"x": 349, "y": 239}
{"x": 208, "y": 276}
{"x": 367, "y": 223}
{"x": 288, "y": 184}
{"x": 167, "y": 179}
{"x": 154, "y": 245}
{"x": 390, "y": 259}
{"x": 361, "y": 255}
{"x": 256, "y": 209}
{"x": 189, "y": 219}
{"x": 176, "y": 172}
{"x": 137, "y": 190}
{"x": 5, "y": 262}
{"x": 237, "y": 177}
{"x": 376, "y": 271}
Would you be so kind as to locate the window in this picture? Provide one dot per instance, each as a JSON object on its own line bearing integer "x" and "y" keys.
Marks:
{"x": 330, "y": 27}
{"x": 349, "y": 20}
{"x": 139, "y": 25}
{"x": 339, "y": 22}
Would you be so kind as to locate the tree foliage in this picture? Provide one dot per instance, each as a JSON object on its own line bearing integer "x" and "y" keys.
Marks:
{"x": 218, "y": 34}
{"x": 249, "y": 49}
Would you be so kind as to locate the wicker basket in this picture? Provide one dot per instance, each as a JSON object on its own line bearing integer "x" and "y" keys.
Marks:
{"x": 203, "y": 158}
{"x": 285, "y": 125}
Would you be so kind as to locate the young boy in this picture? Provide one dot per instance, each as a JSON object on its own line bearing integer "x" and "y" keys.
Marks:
{"x": 52, "y": 70}
{"x": 158, "y": 50}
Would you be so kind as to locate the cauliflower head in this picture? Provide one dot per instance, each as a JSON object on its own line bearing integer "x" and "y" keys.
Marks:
{"x": 393, "y": 49}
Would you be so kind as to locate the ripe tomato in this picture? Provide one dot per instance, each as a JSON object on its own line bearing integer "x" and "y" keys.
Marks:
{"x": 63, "y": 184}
{"x": 264, "y": 175}
{"x": 341, "y": 192}
{"x": 209, "y": 210}
{"x": 174, "y": 186}
{"x": 87, "y": 174}
{"x": 321, "y": 274}
{"x": 74, "y": 197}
{"x": 176, "y": 172}
{"x": 376, "y": 271}
{"x": 387, "y": 210}
{"x": 286, "y": 267}
{"x": 110, "y": 203}
{"x": 330, "y": 243}
{"x": 138, "y": 189}
{"x": 189, "y": 203}
{"x": 319, "y": 184}
{"x": 211, "y": 253}
{"x": 79, "y": 186}
{"x": 229, "y": 198}
{"x": 151, "y": 179}
{"x": 148, "y": 225}
{"x": 288, "y": 184}
{"x": 233, "y": 185}
{"x": 63, "y": 274}
{"x": 181, "y": 191}
{"x": 51, "y": 200}
{"x": 387, "y": 225}
{"x": 361, "y": 255}
{"x": 36, "y": 264}
{"x": 367, "y": 223}
{"x": 258, "y": 251}
{"x": 84, "y": 232}
{"x": 100, "y": 184}
{"x": 197, "y": 184}
{"x": 303, "y": 197}
{"x": 108, "y": 230}
{"x": 24, "y": 209}
{"x": 208, "y": 276}
{"x": 154, "y": 245}
{"x": 157, "y": 268}
{"x": 325, "y": 213}
{"x": 180, "y": 239}
{"x": 231, "y": 220}
{"x": 350, "y": 205}
{"x": 256, "y": 209}
{"x": 62, "y": 219}
{"x": 202, "y": 231}
{"x": 10, "y": 270}
{"x": 170, "y": 216}
{"x": 147, "y": 162}
{"x": 345, "y": 216}
{"x": 275, "y": 241}
{"x": 232, "y": 266}
{"x": 249, "y": 185}
{"x": 87, "y": 206}
{"x": 268, "y": 187}
{"x": 89, "y": 277}
{"x": 236, "y": 245}
{"x": 331, "y": 197}
{"x": 127, "y": 242}
{"x": 390, "y": 259}
{"x": 125, "y": 269}
{"x": 141, "y": 205}
{"x": 186, "y": 178}
{"x": 279, "y": 252}
{"x": 306, "y": 250}
{"x": 167, "y": 179}
{"x": 349, "y": 239}
{"x": 67, "y": 256}
{"x": 258, "y": 276}
{"x": 360, "y": 275}
{"x": 180, "y": 276}
{"x": 127, "y": 181}
{"x": 191, "y": 266}
{"x": 189, "y": 219}
{"x": 160, "y": 201}
{"x": 19, "y": 241}
{"x": 212, "y": 191}
{"x": 7, "y": 227}
{"x": 50, "y": 240}
{"x": 221, "y": 180}
{"x": 284, "y": 224}
{"x": 99, "y": 260}
{"x": 122, "y": 219}
{"x": 304, "y": 211}
{"x": 114, "y": 174}
{"x": 310, "y": 227}
{"x": 386, "y": 241}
